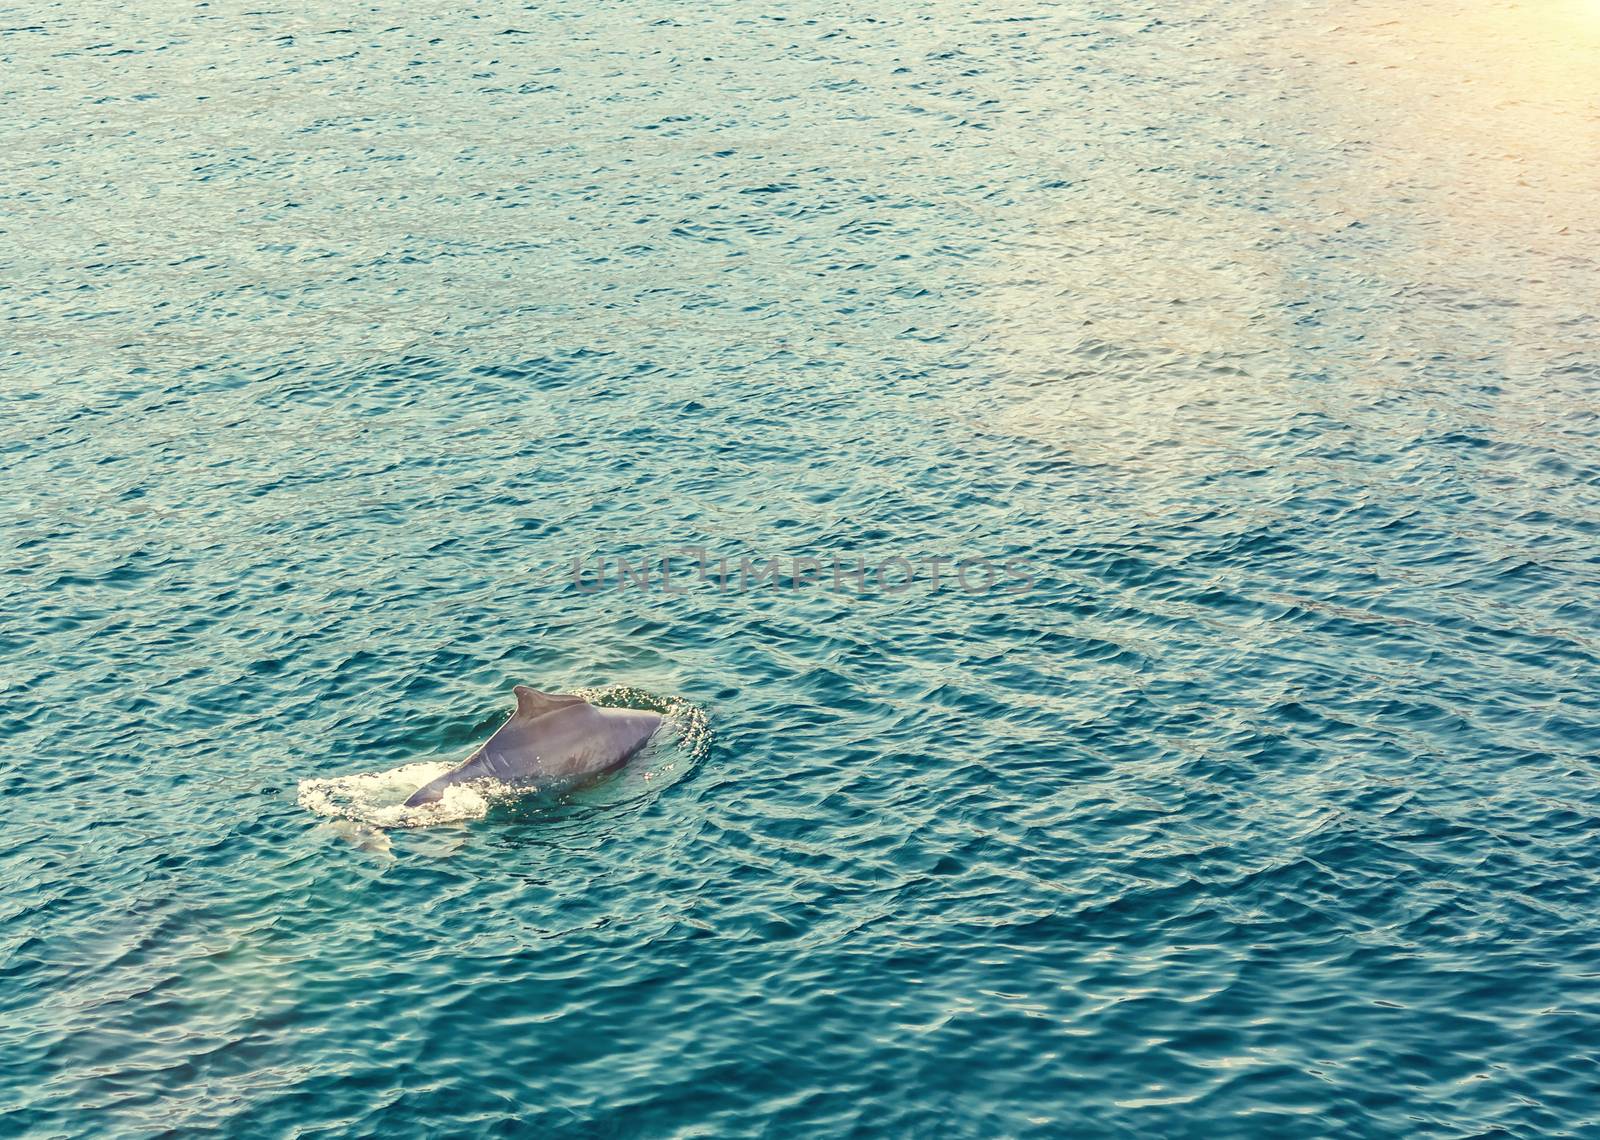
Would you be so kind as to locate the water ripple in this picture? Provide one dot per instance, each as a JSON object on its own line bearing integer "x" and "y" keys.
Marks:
{"x": 1263, "y": 335}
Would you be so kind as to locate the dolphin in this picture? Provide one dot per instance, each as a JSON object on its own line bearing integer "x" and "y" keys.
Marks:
{"x": 554, "y": 741}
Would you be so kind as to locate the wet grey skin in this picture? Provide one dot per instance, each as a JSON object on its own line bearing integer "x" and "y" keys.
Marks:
{"x": 553, "y": 742}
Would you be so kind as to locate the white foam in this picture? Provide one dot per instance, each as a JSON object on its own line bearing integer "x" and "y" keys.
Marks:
{"x": 379, "y": 798}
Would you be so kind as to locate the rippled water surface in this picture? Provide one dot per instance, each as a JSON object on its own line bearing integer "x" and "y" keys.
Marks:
{"x": 1261, "y": 339}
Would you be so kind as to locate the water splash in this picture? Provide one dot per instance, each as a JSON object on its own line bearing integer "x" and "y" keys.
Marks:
{"x": 379, "y": 798}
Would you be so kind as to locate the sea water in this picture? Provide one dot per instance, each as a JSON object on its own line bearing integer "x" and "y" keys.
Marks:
{"x": 1115, "y": 482}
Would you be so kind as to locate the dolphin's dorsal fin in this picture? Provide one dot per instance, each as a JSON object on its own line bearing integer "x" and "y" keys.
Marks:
{"x": 532, "y": 703}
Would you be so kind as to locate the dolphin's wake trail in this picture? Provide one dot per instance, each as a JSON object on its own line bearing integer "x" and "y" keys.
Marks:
{"x": 378, "y": 799}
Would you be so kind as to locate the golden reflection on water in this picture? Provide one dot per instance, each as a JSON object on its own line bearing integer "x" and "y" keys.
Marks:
{"x": 1358, "y": 193}
{"x": 1499, "y": 93}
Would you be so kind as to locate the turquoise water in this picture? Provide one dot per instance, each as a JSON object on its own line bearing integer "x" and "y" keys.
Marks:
{"x": 1261, "y": 339}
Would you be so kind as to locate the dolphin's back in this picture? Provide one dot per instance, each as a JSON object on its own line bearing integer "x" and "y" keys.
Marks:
{"x": 553, "y": 741}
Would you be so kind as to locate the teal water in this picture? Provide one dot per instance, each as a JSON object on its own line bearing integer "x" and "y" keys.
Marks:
{"x": 1263, "y": 338}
